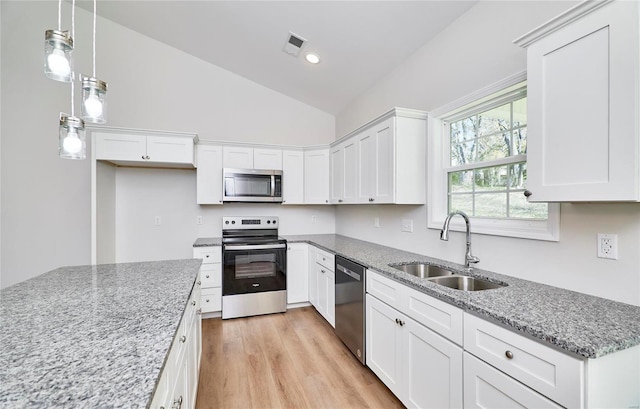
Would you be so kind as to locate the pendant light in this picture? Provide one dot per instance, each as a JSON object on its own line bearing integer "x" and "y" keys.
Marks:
{"x": 94, "y": 103}
{"x": 71, "y": 135}
{"x": 58, "y": 45}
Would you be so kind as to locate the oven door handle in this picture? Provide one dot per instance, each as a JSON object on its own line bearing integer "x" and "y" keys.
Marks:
{"x": 255, "y": 247}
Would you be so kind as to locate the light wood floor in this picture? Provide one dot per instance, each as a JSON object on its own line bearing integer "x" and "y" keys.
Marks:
{"x": 290, "y": 360}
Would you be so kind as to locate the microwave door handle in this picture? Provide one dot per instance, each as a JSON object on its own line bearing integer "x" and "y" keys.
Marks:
{"x": 255, "y": 247}
{"x": 273, "y": 185}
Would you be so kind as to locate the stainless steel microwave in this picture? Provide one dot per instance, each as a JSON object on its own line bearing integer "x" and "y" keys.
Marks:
{"x": 252, "y": 185}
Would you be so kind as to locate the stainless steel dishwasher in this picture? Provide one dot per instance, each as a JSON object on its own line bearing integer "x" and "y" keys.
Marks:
{"x": 350, "y": 308}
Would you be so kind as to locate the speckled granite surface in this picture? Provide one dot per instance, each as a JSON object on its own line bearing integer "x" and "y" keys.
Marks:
{"x": 90, "y": 336}
{"x": 208, "y": 241}
{"x": 578, "y": 323}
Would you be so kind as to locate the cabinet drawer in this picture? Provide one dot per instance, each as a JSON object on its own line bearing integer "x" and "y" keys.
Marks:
{"x": 211, "y": 299}
{"x": 208, "y": 254}
{"x": 326, "y": 259}
{"x": 438, "y": 316}
{"x": 211, "y": 275}
{"x": 486, "y": 387}
{"x": 552, "y": 373}
{"x": 384, "y": 289}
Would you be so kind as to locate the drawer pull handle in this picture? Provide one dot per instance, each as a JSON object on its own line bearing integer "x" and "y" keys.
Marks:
{"x": 509, "y": 354}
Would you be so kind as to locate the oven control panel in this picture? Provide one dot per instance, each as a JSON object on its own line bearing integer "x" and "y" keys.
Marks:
{"x": 247, "y": 222}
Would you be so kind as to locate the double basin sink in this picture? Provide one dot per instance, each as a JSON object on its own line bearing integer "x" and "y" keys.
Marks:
{"x": 447, "y": 278}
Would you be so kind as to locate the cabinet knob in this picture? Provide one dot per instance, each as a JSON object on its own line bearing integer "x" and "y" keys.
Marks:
{"x": 322, "y": 271}
{"x": 207, "y": 300}
{"x": 527, "y": 193}
{"x": 193, "y": 302}
{"x": 199, "y": 282}
{"x": 326, "y": 201}
{"x": 142, "y": 156}
{"x": 199, "y": 311}
{"x": 509, "y": 354}
{"x": 207, "y": 256}
{"x": 339, "y": 200}
{"x": 183, "y": 338}
{"x": 177, "y": 403}
{"x": 147, "y": 157}
{"x": 207, "y": 276}
{"x": 371, "y": 199}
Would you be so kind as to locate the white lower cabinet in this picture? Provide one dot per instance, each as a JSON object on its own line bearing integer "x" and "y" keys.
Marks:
{"x": 297, "y": 273}
{"x": 487, "y": 387}
{"x": 210, "y": 278}
{"x": 423, "y": 369}
{"x": 178, "y": 383}
{"x": 322, "y": 286}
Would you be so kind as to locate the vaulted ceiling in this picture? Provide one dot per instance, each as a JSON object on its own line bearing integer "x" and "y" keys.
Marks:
{"x": 358, "y": 41}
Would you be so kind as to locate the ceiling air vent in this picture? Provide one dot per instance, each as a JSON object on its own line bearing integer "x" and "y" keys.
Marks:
{"x": 294, "y": 44}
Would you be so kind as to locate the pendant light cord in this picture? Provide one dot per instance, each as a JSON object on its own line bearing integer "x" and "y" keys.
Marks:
{"x": 73, "y": 32}
{"x": 94, "y": 38}
{"x": 59, "y": 15}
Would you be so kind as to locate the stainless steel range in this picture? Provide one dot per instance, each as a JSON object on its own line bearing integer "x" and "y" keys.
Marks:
{"x": 254, "y": 276}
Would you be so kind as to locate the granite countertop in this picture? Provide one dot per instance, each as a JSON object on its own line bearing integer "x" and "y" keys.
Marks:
{"x": 577, "y": 323}
{"x": 91, "y": 336}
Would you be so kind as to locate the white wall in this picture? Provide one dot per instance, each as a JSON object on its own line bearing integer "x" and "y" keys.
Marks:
{"x": 142, "y": 194}
{"x": 472, "y": 53}
{"x": 45, "y": 221}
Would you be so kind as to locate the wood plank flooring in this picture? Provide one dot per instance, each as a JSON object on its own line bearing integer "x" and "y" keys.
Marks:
{"x": 290, "y": 360}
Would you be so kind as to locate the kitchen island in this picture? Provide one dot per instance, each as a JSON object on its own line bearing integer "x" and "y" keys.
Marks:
{"x": 91, "y": 336}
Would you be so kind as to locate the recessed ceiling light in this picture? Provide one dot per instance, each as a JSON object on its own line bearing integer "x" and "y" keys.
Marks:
{"x": 312, "y": 58}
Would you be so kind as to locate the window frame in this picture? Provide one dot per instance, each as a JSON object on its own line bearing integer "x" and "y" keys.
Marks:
{"x": 438, "y": 158}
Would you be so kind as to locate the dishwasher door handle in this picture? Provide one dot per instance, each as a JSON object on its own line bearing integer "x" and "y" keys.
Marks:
{"x": 348, "y": 272}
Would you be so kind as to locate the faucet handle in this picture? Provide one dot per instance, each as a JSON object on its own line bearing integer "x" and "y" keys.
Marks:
{"x": 472, "y": 259}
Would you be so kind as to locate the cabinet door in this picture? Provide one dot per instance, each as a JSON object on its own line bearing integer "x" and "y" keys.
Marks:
{"x": 366, "y": 166}
{"x": 297, "y": 273}
{"x": 170, "y": 149}
{"x": 267, "y": 158}
{"x": 486, "y": 387}
{"x": 331, "y": 298}
{"x": 313, "y": 277}
{"x": 323, "y": 290}
{"x": 316, "y": 177}
{"x": 237, "y": 157}
{"x": 384, "y": 344}
{"x": 350, "y": 171}
{"x": 383, "y": 173}
{"x": 337, "y": 174}
{"x": 292, "y": 177}
{"x": 432, "y": 369}
{"x": 583, "y": 142}
{"x": 209, "y": 174}
{"x": 112, "y": 146}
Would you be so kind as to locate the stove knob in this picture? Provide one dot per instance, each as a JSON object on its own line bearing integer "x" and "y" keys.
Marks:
{"x": 233, "y": 222}
{"x": 226, "y": 222}
{"x": 274, "y": 222}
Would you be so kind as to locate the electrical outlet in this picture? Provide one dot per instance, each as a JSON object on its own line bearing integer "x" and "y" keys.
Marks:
{"x": 608, "y": 246}
{"x": 158, "y": 221}
{"x": 198, "y": 220}
{"x": 376, "y": 222}
{"x": 407, "y": 225}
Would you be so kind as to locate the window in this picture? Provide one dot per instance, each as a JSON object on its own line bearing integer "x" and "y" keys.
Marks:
{"x": 481, "y": 168}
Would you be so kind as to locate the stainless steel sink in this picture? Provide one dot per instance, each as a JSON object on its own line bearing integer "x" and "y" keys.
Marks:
{"x": 464, "y": 283}
{"x": 422, "y": 270}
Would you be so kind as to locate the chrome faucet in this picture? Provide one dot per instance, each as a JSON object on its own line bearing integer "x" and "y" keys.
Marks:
{"x": 444, "y": 235}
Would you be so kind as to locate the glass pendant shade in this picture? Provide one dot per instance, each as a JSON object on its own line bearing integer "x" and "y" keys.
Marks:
{"x": 94, "y": 102}
{"x": 58, "y": 64}
{"x": 72, "y": 142}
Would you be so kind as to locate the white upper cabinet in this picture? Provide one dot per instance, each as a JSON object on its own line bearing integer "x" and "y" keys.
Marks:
{"x": 292, "y": 177}
{"x": 316, "y": 176}
{"x": 209, "y": 174}
{"x": 584, "y": 104}
{"x": 238, "y": 157}
{"x": 382, "y": 161}
{"x": 242, "y": 157}
{"x": 267, "y": 159}
{"x": 142, "y": 149}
